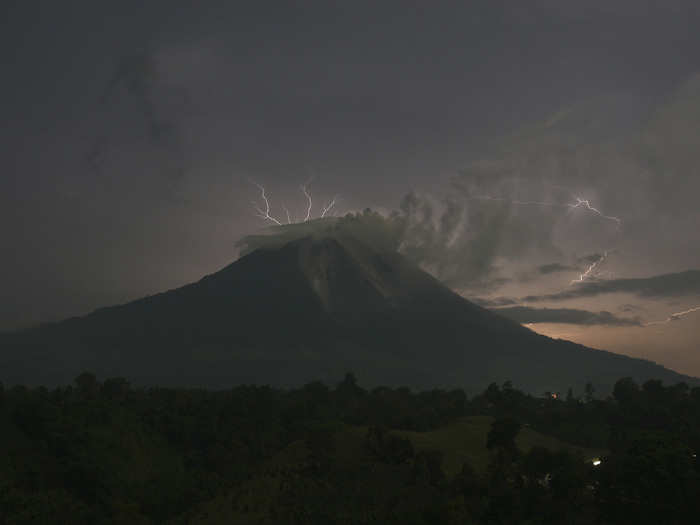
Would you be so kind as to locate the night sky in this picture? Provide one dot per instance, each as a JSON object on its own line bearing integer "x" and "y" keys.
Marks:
{"x": 134, "y": 135}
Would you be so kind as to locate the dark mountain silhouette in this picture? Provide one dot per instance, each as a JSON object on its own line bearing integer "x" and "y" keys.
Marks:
{"x": 311, "y": 308}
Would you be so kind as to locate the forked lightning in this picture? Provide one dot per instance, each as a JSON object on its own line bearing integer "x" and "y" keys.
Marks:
{"x": 266, "y": 215}
{"x": 580, "y": 203}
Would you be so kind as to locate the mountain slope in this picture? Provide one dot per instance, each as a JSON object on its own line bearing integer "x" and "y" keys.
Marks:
{"x": 312, "y": 308}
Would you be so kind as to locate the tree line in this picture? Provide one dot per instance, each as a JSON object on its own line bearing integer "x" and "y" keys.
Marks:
{"x": 106, "y": 452}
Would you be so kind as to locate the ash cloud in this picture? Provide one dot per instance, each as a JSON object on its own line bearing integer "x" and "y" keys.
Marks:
{"x": 588, "y": 259}
{"x": 461, "y": 241}
{"x": 136, "y": 86}
{"x": 546, "y": 269}
{"x": 444, "y": 237}
{"x": 137, "y": 75}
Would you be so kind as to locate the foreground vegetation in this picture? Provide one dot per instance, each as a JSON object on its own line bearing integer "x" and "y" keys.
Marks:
{"x": 108, "y": 453}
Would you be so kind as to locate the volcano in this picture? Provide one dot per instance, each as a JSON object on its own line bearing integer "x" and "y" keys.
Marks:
{"x": 311, "y": 308}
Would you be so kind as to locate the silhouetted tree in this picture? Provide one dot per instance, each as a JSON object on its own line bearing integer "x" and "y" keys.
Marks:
{"x": 537, "y": 464}
{"x": 501, "y": 437}
{"x": 468, "y": 485}
{"x": 427, "y": 467}
{"x": 321, "y": 444}
{"x": 115, "y": 388}
{"x": 654, "y": 481}
{"x": 570, "y": 396}
{"x": 87, "y": 384}
{"x": 654, "y": 390}
{"x": 388, "y": 448}
{"x": 493, "y": 394}
{"x": 625, "y": 390}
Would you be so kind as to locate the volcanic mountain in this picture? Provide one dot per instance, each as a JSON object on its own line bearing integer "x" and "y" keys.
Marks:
{"x": 311, "y": 308}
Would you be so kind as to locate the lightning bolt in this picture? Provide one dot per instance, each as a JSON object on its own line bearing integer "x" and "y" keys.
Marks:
{"x": 590, "y": 269}
{"x": 587, "y": 205}
{"x": 289, "y": 219}
{"x": 580, "y": 203}
{"x": 674, "y": 317}
{"x": 264, "y": 214}
{"x": 327, "y": 208}
{"x": 308, "y": 198}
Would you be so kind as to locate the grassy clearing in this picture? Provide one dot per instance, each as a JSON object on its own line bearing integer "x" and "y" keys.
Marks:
{"x": 464, "y": 440}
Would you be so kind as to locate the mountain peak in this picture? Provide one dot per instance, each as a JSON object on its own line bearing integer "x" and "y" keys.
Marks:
{"x": 311, "y": 308}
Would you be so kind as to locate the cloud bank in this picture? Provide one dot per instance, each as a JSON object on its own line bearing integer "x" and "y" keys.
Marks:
{"x": 526, "y": 314}
{"x": 658, "y": 286}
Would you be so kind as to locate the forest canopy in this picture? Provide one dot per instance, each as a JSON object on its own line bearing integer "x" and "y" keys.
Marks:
{"x": 104, "y": 452}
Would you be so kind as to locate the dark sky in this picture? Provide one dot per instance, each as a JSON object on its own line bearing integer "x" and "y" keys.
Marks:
{"x": 132, "y": 133}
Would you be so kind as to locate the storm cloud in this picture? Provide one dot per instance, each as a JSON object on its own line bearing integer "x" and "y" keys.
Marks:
{"x": 685, "y": 283}
{"x": 493, "y": 302}
{"x": 554, "y": 268}
{"x": 136, "y": 127}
